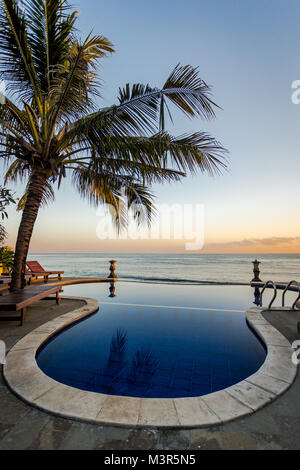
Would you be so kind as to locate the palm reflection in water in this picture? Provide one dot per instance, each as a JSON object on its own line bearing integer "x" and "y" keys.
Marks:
{"x": 120, "y": 374}
{"x": 256, "y": 296}
{"x": 112, "y": 290}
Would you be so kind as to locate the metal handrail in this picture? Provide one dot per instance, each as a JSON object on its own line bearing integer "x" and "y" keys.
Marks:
{"x": 272, "y": 283}
{"x": 287, "y": 288}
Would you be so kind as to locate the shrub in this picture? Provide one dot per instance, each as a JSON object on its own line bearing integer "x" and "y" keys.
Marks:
{"x": 6, "y": 259}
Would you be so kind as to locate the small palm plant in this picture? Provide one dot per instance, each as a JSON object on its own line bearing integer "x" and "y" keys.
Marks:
{"x": 50, "y": 126}
{"x": 6, "y": 198}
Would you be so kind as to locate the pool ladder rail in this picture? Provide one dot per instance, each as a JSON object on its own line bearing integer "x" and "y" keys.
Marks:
{"x": 273, "y": 285}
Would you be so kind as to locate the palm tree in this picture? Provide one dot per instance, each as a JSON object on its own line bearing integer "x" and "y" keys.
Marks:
{"x": 50, "y": 126}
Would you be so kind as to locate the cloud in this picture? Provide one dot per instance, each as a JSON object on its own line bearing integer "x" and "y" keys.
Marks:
{"x": 252, "y": 242}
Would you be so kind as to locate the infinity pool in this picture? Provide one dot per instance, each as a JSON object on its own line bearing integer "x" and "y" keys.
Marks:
{"x": 156, "y": 341}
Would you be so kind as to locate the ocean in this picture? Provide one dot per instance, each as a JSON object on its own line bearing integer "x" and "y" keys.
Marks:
{"x": 182, "y": 268}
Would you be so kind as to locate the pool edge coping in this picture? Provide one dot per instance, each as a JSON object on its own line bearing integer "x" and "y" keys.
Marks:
{"x": 27, "y": 381}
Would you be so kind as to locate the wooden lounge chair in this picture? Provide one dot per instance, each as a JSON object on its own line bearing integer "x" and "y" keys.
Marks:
{"x": 36, "y": 270}
{"x": 19, "y": 301}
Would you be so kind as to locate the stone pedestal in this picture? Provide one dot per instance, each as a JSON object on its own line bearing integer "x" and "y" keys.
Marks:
{"x": 112, "y": 268}
{"x": 256, "y": 271}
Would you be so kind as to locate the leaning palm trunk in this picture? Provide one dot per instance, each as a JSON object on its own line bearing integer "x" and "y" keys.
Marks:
{"x": 33, "y": 202}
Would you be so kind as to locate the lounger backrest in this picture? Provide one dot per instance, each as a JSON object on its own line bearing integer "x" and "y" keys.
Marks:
{"x": 35, "y": 267}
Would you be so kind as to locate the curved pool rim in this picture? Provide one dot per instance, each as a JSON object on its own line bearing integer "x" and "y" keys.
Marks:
{"x": 27, "y": 381}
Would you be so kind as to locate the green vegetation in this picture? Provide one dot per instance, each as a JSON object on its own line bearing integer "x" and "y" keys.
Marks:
{"x": 6, "y": 198}
{"x": 6, "y": 259}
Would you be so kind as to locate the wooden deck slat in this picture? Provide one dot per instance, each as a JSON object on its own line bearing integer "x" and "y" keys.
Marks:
{"x": 4, "y": 280}
{"x": 20, "y": 300}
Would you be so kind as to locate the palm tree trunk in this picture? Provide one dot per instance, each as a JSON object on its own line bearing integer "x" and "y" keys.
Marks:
{"x": 30, "y": 212}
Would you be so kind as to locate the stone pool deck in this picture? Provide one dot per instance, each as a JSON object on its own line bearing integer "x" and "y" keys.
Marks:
{"x": 277, "y": 426}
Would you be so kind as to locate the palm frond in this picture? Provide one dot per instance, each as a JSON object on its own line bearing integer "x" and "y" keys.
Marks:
{"x": 48, "y": 197}
{"x": 3, "y": 233}
{"x": 197, "y": 151}
{"x": 73, "y": 88}
{"x": 141, "y": 108}
{"x": 158, "y": 158}
{"x": 103, "y": 189}
{"x": 14, "y": 125}
{"x": 94, "y": 48}
{"x": 143, "y": 105}
{"x": 16, "y": 61}
{"x": 146, "y": 174}
{"x": 51, "y": 28}
{"x": 17, "y": 171}
{"x": 140, "y": 202}
{"x": 15, "y": 116}
{"x": 189, "y": 92}
{"x": 120, "y": 193}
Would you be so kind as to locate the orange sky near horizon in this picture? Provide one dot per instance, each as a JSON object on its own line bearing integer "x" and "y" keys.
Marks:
{"x": 259, "y": 249}
{"x": 225, "y": 231}
{"x": 262, "y": 246}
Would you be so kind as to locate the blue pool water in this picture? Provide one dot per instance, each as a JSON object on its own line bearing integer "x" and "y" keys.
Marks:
{"x": 158, "y": 341}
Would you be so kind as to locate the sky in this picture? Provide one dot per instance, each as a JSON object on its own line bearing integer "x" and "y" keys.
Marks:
{"x": 248, "y": 52}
